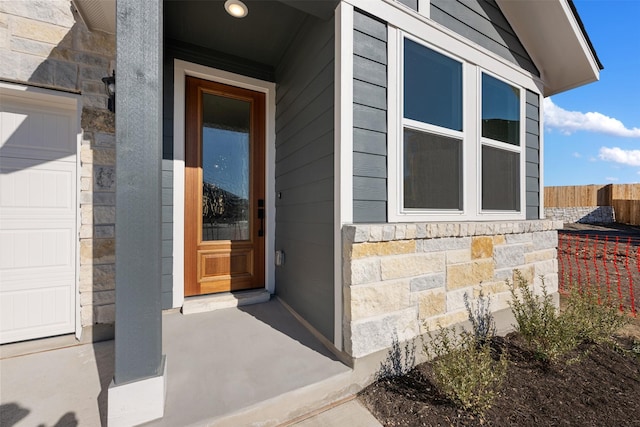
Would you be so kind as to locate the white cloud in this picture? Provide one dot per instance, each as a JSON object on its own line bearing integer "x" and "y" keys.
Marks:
{"x": 611, "y": 179}
{"x": 568, "y": 122}
{"x": 576, "y": 155}
{"x": 618, "y": 155}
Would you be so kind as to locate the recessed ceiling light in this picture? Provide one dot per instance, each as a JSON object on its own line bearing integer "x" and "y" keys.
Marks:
{"x": 236, "y": 8}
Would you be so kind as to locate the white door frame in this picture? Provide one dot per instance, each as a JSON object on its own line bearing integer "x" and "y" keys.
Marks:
{"x": 181, "y": 70}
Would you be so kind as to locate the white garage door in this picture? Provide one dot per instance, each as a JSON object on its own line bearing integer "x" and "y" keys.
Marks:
{"x": 38, "y": 215}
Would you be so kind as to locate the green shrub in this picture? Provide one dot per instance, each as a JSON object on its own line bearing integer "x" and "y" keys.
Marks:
{"x": 593, "y": 316}
{"x": 464, "y": 370}
{"x": 537, "y": 319}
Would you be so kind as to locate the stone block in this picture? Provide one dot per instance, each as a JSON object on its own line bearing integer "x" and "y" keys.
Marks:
{"x": 104, "y": 214}
{"x": 371, "y": 335}
{"x": 396, "y": 247}
{"x": 86, "y": 231}
{"x": 401, "y": 231}
{"x": 104, "y": 178}
{"x": 444, "y": 321}
{"x": 519, "y": 238}
{"x": 86, "y": 214}
{"x": 98, "y": 119}
{"x": 86, "y": 184}
{"x": 375, "y": 233}
{"x": 458, "y": 256}
{"x": 86, "y": 315}
{"x": 361, "y": 234}
{"x": 545, "y": 267}
{"x": 379, "y": 299}
{"x": 365, "y": 271}
{"x": 428, "y": 281}
{"x": 97, "y": 251}
{"x": 388, "y": 232}
{"x": 99, "y": 156}
{"x": 421, "y": 231}
{"x": 96, "y": 42}
{"x": 491, "y": 289}
{"x": 411, "y": 231}
{"x": 104, "y": 231}
{"x": 411, "y": 265}
{"x": 455, "y": 299}
{"x": 106, "y": 140}
{"x": 481, "y": 247}
{"x": 31, "y": 47}
{"x": 509, "y": 255}
{"x": 500, "y": 239}
{"x": 542, "y": 255}
{"x": 105, "y": 313}
{"x": 443, "y": 244}
{"x": 97, "y": 298}
{"x": 65, "y": 74}
{"x": 527, "y": 273}
{"x": 431, "y": 303}
{"x": 58, "y": 12}
{"x": 41, "y": 31}
{"x": 545, "y": 240}
{"x": 469, "y": 274}
{"x": 97, "y": 277}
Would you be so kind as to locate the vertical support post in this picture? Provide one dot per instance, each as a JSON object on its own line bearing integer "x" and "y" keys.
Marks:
{"x": 137, "y": 392}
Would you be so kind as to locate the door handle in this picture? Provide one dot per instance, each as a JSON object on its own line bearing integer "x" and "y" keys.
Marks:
{"x": 261, "y": 217}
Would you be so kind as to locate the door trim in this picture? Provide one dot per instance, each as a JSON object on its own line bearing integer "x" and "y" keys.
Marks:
{"x": 177, "y": 165}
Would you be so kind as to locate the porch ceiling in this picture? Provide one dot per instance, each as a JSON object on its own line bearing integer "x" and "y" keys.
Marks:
{"x": 262, "y": 36}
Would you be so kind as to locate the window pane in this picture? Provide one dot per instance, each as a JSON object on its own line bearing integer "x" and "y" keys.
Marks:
{"x": 500, "y": 111}
{"x": 500, "y": 179}
{"x": 432, "y": 171}
{"x": 432, "y": 87}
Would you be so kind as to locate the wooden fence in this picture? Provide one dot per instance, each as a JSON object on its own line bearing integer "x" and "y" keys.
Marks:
{"x": 625, "y": 199}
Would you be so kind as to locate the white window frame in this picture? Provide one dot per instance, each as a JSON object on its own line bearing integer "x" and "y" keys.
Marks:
{"x": 520, "y": 149}
{"x": 475, "y": 62}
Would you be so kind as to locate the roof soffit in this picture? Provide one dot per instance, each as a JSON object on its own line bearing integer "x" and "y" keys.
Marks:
{"x": 554, "y": 39}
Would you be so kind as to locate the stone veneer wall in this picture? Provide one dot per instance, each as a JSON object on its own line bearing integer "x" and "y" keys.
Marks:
{"x": 402, "y": 280}
{"x": 45, "y": 43}
{"x": 582, "y": 214}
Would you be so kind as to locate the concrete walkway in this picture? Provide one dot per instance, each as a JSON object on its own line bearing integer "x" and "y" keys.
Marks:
{"x": 253, "y": 365}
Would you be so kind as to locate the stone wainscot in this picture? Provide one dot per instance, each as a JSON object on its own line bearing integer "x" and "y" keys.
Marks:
{"x": 402, "y": 280}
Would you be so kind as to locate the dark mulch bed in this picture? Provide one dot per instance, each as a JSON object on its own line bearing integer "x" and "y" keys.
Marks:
{"x": 596, "y": 385}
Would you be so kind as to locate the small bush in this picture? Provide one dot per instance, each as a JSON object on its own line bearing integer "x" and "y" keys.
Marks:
{"x": 593, "y": 316}
{"x": 465, "y": 370}
{"x": 481, "y": 318}
{"x": 538, "y": 321}
{"x": 399, "y": 361}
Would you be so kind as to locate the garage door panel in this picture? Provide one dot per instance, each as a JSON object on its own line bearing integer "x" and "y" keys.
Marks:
{"x": 43, "y": 191}
{"x": 34, "y": 132}
{"x": 38, "y": 215}
{"x": 29, "y": 314}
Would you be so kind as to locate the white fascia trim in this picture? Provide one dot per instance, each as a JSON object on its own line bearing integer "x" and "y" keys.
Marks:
{"x": 138, "y": 402}
{"x": 343, "y": 152}
{"x": 424, "y": 8}
{"x": 181, "y": 70}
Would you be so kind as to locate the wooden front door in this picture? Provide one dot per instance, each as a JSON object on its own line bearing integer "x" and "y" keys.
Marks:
{"x": 224, "y": 195}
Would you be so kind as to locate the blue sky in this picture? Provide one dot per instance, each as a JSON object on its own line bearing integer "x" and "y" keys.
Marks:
{"x": 592, "y": 133}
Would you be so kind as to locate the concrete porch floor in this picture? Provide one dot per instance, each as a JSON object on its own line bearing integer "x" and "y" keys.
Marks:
{"x": 251, "y": 365}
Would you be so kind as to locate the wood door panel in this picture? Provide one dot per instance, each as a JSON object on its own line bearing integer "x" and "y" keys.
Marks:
{"x": 211, "y": 263}
{"x": 226, "y": 264}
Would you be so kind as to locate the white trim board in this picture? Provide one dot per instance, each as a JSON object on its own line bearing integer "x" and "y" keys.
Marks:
{"x": 181, "y": 70}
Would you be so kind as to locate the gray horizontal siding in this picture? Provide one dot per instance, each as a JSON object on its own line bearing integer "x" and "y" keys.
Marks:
{"x": 369, "y": 119}
{"x": 532, "y": 155}
{"x": 482, "y": 22}
{"x": 305, "y": 174}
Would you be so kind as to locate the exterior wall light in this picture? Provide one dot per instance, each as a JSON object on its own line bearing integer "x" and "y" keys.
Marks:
{"x": 236, "y": 8}
{"x": 110, "y": 89}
